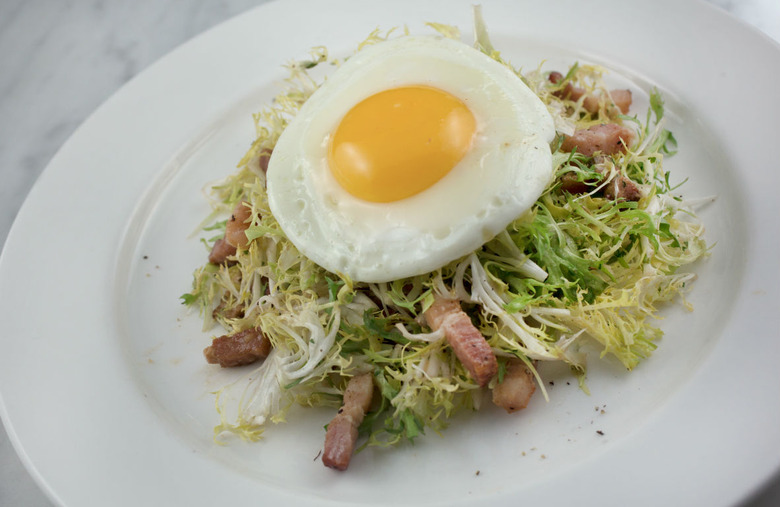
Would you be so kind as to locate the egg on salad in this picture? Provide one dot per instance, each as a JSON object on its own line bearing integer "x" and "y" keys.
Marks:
{"x": 415, "y": 152}
{"x": 422, "y": 170}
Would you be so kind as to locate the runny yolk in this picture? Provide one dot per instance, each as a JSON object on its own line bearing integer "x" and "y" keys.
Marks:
{"x": 399, "y": 142}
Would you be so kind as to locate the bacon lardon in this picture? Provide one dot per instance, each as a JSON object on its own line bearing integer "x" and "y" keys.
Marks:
{"x": 606, "y": 138}
{"x": 516, "y": 388}
{"x": 238, "y": 349}
{"x": 621, "y": 98}
{"x": 466, "y": 341}
{"x": 235, "y": 235}
{"x": 221, "y": 251}
{"x": 342, "y": 433}
{"x": 237, "y": 224}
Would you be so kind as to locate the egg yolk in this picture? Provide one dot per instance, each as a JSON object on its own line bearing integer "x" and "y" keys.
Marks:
{"x": 398, "y": 142}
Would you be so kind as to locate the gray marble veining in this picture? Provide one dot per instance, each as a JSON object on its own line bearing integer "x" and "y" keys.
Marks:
{"x": 59, "y": 60}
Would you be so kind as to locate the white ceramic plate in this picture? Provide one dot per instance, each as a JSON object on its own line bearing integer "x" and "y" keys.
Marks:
{"x": 106, "y": 396}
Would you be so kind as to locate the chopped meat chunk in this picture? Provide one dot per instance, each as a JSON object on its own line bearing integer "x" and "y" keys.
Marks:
{"x": 621, "y": 98}
{"x": 607, "y": 138}
{"x": 619, "y": 187}
{"x": 590, "y": 103}
{"x": 342, "y": 433}
{"x": 222, "y": 310}
{"x": 235, "y": 234}
{"x": 238, "y": 349}
{"x": 622, "y": 189}
{"x": 466, "y": 341}
{"x": 516, "y": 388}
{"x": 555, "y": 77}
{"x": 569, "y": 91}
{"x": 237, "y": 224}
{"x": 570, "y": 183}
{"x": 221, "y": 251}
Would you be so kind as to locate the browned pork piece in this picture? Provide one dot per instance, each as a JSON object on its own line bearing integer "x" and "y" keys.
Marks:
{"x": 235, "y": 236}
{"x": 237, "y": 224}
{"x": 618, "y": 188}
{"x": 221, "y": 251}
{"x": 571, "y": 184}
{"x": 607, "y": 139}
{"x": 622, "y": 189}
{"x": 227, "y": 312}
{"x": 466, "y": 341}
{"x": 516, "y": 388}
{"x": 238, "y": 349}
{"x": 342, "y": 433}
{"x": 621, "y": 98}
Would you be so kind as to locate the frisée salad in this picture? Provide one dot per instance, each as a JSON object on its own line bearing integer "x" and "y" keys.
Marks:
{"x": 586, "y": 267}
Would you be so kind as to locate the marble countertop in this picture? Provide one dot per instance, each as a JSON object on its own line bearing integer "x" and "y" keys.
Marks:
{"x": 59, "y": 60}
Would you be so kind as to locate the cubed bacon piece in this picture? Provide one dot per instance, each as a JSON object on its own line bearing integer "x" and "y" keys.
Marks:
{"x": 569, "y": 91}
{"x": 619, "y": 188}
{"x": 590, "y": 103}
{"x": 237, "y": 224}
{"x": 238, "y": 349}
{"x": 342, "y": 433}
{"x": 235, "y": 235}
{"x": 607, "y": 138}
{"x": 221, "y": 251}
{"x": 555, "y": 77}
{"x": 466, "y": 341}
{"x": 622, "y": 189}
{"x": 621, "y": 98}
{"x": 570, "y": 183}
{"x": 516, "y": 388}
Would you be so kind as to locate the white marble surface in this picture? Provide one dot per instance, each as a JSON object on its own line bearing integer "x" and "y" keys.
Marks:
{"x": 60, "y": 59}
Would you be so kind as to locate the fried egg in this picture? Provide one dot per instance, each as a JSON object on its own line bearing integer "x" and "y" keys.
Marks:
{"x": 413, "y": 153}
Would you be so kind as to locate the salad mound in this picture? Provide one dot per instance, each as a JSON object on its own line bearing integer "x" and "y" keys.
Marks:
{"x": 590, "y": 264}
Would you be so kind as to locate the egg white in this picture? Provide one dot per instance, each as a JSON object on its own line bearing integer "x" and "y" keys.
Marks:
{"x": 507, "y": 168}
